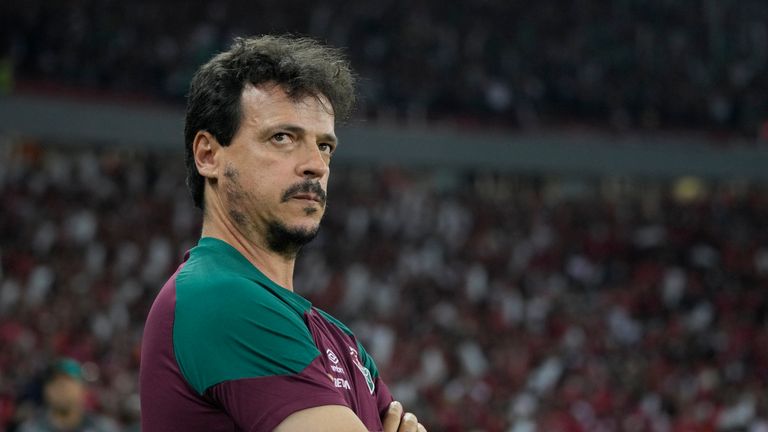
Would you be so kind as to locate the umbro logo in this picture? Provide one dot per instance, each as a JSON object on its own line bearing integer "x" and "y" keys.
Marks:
{"x": 331, "y": 356}
{"x": 335, "y": 360}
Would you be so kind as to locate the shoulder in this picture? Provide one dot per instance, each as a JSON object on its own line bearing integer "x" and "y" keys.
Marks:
{"x": 223, "y": 295}
{"x": 232, "y": 306}
{"x": 228, "y": 327}
{"x": 209, "y": 284}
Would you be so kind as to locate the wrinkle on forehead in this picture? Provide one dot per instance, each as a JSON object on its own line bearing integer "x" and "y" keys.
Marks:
{"x": 254, "y": 96}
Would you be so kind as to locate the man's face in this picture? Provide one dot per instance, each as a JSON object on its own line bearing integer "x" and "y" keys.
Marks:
{"x": 64, "y": 394}
{"x": 275, "y": 170}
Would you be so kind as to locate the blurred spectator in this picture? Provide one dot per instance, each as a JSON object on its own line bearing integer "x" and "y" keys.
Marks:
{"x": 491, "y": 301}
{"x": 65, "y": 409}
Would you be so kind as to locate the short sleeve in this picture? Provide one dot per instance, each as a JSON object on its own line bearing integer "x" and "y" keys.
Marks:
{"x": 231, "y": 328}
{"x": 261, "y": 404}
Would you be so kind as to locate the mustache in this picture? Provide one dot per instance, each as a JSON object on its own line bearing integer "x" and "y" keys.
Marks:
{"x": 305, "y": 187}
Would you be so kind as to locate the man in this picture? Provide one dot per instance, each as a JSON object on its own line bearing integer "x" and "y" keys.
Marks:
{"x": 65, "y": 411}
{"x": 228, "y": 344}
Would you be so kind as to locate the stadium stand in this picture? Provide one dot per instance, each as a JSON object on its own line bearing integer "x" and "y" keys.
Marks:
{"x": 623, "y": 65}
{"x": 492, "y": 302}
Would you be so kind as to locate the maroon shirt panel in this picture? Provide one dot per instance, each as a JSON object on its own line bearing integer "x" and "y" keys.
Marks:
{"x": 340, "y": 364}
{"x": 260, "y": 404}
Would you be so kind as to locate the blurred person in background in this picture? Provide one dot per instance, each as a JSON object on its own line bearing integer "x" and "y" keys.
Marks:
{"x": 228, "y": 344}
{"x": 64, "y": 394}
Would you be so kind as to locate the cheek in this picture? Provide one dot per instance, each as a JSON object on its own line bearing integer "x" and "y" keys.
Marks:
{"x": 64, "y": 393}
{"x": 239, "y": 186}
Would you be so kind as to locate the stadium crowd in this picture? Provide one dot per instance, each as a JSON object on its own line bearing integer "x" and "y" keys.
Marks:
{"x": 625, "y": 64}
{"x": 491, "y": 302}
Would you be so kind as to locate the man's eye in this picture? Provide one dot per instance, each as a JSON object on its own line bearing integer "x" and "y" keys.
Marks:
{"x": 325, "y": 148}
{"x": 280, "y": 137}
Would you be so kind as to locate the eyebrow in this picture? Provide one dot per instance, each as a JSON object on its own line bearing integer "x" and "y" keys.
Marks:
{"x": 298, "y": 130}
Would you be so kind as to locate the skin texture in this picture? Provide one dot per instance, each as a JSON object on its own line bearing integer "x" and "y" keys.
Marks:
{"x": 265, "y": 195}
{"x": 65, "y": 399}
{"x": 395, "y": 421}
{"x": 328, "y": 418}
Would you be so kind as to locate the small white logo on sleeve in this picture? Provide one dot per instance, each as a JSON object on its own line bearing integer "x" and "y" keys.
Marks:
{"x": 332, "y": 357}
{"x": 363, "y": 370}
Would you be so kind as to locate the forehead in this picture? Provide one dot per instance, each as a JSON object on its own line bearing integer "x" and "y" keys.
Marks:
{"x": 269, "y": 104}
{"x": 62, "y": 379}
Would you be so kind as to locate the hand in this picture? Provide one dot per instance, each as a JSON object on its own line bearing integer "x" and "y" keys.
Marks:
{"x": 395, "y": 421}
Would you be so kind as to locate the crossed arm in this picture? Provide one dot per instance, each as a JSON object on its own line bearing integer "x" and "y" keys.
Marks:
{"x": 337, "y": 418}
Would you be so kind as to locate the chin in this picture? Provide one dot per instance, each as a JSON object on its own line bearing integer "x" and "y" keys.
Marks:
{"x": 307, "y": 227}
{"x": 287, "y": 239}
{"x": 306, "y": 220}
{"x": 310, "y": 218}
{"x": 306, "y": 223}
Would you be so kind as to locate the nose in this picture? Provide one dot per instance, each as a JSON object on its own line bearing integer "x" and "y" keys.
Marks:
{"x": 314, "y": 164}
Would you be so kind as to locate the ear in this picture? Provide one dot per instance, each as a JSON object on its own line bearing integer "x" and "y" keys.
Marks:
{"x": 204, "y": 147}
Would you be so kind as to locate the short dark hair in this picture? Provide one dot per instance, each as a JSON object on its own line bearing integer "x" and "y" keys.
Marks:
{"x": 300, "y": 65}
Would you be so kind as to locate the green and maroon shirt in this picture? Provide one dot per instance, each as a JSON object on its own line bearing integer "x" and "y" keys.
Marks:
{"x": 227, "y": 349}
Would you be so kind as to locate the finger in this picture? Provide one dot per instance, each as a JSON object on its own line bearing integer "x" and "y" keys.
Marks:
{"x": 409, "y": 423}
{"x": 422, "y": 428}
{"x": 392, "y": 417}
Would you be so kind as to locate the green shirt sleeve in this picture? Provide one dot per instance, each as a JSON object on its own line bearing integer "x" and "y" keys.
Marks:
{"x": 230, "y": 327}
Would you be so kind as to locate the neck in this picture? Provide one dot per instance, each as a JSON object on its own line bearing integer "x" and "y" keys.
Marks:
{"x": 277, "y": 267}
{"x": 65, "y": 419}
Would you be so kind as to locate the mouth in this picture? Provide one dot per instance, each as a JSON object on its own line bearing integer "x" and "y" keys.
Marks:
{"x": 307, "y": 192}
{"x": 308, "y": 197}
